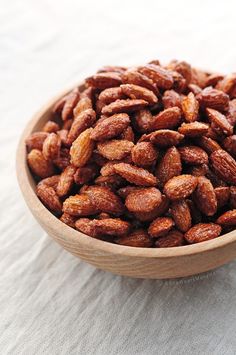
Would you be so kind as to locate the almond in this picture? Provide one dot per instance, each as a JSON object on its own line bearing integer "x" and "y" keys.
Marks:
{"x": 110, "y": 127}
{"x": 66, "y": 181}
{"x": 193, "y": 129}
{"x": 173, "y": 239}
{"x": 135, "y": 175}
{"x": 220, "y": 121}
{"x": 193, "y": 155}
{"x": 165, "y": 138}
{"x": 105, "y": 200}
{"x": 181, "y": 215}
{"x": 144, "y": 154}
{"x": 120, "y": 106}
{"x": 79, "y": 205}
{"x": 83, "y": 121}
{"x": 169, "y": 166}
{"x": 213, "y": 98}
{"x": 104, "y": 80}
{"x": 222, "y": 195}
{"x": 167, "y": 119}
{"x": 49, "y": 198}
{"x": 115, "y": 149}
{"x": 138, "y": 238}
{"x": 39, "y": 165}
{"x": 143, "y": 200}
{"x": 190, "y": 108}
{"x": 160, "y": 226}
{"x": 134, "y": 77}
{"x": 202, "y": 232}
{"x": 82, "y": 148}
{"x": 160, "y": 76}
{"x": 224, "y": 165}
{"x": 180, "y": 186}
{"x": 227, "y": 219}
{"x": 205, "y": 197}
{"x": 71, "y": 100}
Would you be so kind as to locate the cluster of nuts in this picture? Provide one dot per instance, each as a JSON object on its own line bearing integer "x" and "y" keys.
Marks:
{"x": 142, "y": 156}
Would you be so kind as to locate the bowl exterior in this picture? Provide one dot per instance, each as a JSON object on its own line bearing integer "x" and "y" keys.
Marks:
{"x": 129, "y": 261}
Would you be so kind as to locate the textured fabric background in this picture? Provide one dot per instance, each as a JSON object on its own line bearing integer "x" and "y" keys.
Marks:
{"x": 50, "y": 302}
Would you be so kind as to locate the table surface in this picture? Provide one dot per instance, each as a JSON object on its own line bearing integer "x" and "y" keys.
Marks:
{"x": 50, "y": 302}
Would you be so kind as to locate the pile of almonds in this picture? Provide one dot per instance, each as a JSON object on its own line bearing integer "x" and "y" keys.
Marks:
{"x": 142, "y": 156}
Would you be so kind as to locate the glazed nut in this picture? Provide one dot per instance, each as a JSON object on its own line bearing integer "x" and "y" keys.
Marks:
{"x": 141, "y": 156}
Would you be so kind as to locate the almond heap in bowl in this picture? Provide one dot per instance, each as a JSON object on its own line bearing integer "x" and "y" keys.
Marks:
{"x": 142, "y": 156}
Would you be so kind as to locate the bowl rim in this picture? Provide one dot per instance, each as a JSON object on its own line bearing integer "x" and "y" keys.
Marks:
{"x": 57, "y": 227}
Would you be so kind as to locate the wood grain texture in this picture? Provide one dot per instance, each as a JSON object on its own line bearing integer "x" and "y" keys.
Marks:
{"x": 135, "y": 262}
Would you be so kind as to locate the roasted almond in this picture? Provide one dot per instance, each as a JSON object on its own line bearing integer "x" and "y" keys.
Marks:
{"x": 143, "y": 200}
{"x": 82, "y": 148}
{"x": 202, "y": 232}
{"x": 160, "y": 226}
{"x": 180, "y": 186}
{"x": 135, "y": 175}
{"x": 115, "y": 149}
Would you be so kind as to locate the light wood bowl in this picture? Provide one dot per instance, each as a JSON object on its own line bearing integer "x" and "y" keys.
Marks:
{"x": 134, "y": 262}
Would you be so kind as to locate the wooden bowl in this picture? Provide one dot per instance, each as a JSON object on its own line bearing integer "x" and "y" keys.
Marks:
{"x": 130, "y": 261}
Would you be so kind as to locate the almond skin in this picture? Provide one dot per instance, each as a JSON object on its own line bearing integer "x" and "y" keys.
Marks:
{"x": 120, "y": 106}
{"x": 166, "y": 138}
{"x": 222, "y": 195}
{"x": 79, "y": 205}
{"x": 190, "y": 107}
{"x": 224, "y": 165}
{"x": 143, "y": 120}
{"x": 202, "y": 232}
{"x": 51, "y": 146}
{"x": 139, "y": 92}
{"x": 171, "y": 99}
{"x": 204, "y": 196}
{"x": 160, "y": 226}
{"x": 39, "y": 165}
{"x": 134, "y": 77}
{"x": 180, "y": 186}
{"x": 115, "y": 149}
{"x": 83, "y": 121}
{"x": 160, "y": 76}
{"x": 70, "y": 102}
{"x": 144, "y": 154}
{"x": 193, "y": 129}
{"x": 66, "y": 181}
{"x": 138, "y": 238}
{"x": 167, "y": 119}
{"x": 135, "y": 175}
{"x": 173, "y": 239}
{"x": 143, "y": 200}
{"x": 181, "y": 215}
{"x": 82, "y": 148}
{"x": 227, "y": 219}
{"x": 220, "y": 121}
{"x": 213, "y": 98}
{"x": 104, "y": 80}
{"x": 105, "y": 200}
{"x": 49, "y": 198}
{"x": 193, "y": 155}
{"x": 68, "y": 219}
{"x": 110, "y": 127}
{"x": 169, "y": 166}
{"x": 35, "y": 140}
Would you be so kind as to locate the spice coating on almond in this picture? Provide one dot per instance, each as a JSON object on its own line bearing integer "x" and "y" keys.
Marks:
{"x": 141, "y": 156}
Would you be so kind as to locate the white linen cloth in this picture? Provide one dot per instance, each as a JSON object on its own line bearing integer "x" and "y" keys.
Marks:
{"x": 50, "y": 302}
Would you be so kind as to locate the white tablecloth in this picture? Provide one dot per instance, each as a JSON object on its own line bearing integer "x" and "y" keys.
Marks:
{"x": 50, "y": 302}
